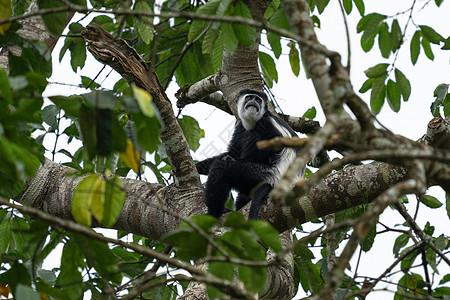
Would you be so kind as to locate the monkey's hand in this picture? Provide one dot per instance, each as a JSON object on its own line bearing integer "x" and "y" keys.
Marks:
{"x": 204, "y": 165}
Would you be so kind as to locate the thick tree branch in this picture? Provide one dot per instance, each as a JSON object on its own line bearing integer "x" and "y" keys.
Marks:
{"x": 53, "y": 186}
{"x": 438, "y": 133}
{"x": 361, "y": 229}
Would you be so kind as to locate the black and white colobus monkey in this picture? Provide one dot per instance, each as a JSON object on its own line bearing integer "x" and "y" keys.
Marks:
{"x": 244, "y": 168}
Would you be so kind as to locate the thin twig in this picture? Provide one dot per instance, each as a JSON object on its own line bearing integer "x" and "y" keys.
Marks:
{"x": 347, "y": 33}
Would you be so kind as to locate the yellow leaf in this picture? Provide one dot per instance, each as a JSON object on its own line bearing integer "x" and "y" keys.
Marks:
{"x": 5, "y": 290}
{"x": 82, "y": 200}
{"x": 131, "y": 156}
{"x": 98, "y": 199}
{"x": 5, "y": 13}
{"x": 144, "y": 99}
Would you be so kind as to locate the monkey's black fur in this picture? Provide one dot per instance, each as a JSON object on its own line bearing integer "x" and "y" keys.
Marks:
{"x": 244, "y": 168}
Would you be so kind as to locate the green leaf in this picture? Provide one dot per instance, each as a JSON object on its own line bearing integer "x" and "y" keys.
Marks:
{"x": 279, "y": 19}
{"x": 441, "y": 242}
{"x": 445, "y": 279}
{"x": 191, "y": 245}
{"x": 192, "y": 131}
{"x": 273, "y": 6}
{"x": 147, "y": 130}
{"x": 114, "y": 200}
{"x": 5, "y": 236}
{"x": 369, "y": 24}
{"x": 403, "y": 84}
{"x": 144, "y": 25}
{"x": 76, "y": 46}
{"x": 144, "y": 99}
{"x": 71, "y": 263}
{"x": 438, "y": 2}
{"x": 427, "y": 48}
{"x": 348, "y": 5}
{"x": 222, "y": 270}
{"x": 447, "y": 106}
{"x": 393, "y": 95}
{"x": 399, "y": 243}
{"x": 360, "y": 6}
{"x": 101, "y": 99}
{"x": 246, "y": 34}
{"x": 83, "y": 196}
{"x": 18, "y": 160}
{"x": 378, "y": 94}
{"x": 217, "y": 53}
{"x": 316, "y": 21}
{"x": 99, "y": 256}
{"x": 431, "y": 35}
{"x": 274, "y": 41}
{"x": 267, "y": 233}
{"x": 5, "y": 89}
{"x": 369, "y": 239}
{"x": 209, "y": 40}
{"x": 197, "y": 28}
{"x": 415, "y": 46}
{"x": 88, "y": 130}
{"x": 119, "y": 137}
{"x": 268, "y": 67}
{"x": 310, "y": 113}
{"x": 447, "y": 204}
{"x": 431, "y": 201}
{"x": 235, "y": 220}
{"x": 321, "y": 4}
{"x": 384, "y": 40}
{"x": 55, "y": 22}
{"x": 377, "y": 71}
{"x": 104, "y": 131}
{"x": 49, "y": 116}
{"x": 25, "y": 292}
{"x": 366, "y": 45}
{"x": 71, "y": 104}
{"x": 367, "y": 85}
{"x": 396, "y": 35}
{"x": 89, "y": 83}
{"x": 431, "y": 259}
{"x": 252, "y": 277}
{"x": 409, "y": 259}
{"x": 440, "y": 92}
{"x": 446, "y": 44}
{"x": 294, "y": 59}
{"x": 223, "y": 6}
{"x": 230, "y": 40}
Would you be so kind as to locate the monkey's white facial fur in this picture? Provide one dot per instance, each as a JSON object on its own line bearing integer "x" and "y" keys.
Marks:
{"x": 251, "y": 108}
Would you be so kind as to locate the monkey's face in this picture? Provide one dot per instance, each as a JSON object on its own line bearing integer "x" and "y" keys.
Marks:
{"x": 251, "y": 108}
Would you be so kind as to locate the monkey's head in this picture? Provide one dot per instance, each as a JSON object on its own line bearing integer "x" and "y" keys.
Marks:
{"x": 252, "y": 105}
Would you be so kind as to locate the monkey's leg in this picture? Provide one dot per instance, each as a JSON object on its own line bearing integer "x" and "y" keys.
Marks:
{"x": 245, "y": 176}
{"x": 241, "y": 200}
{"x": 258, "y": 200}
{"x": 217, "y": 189}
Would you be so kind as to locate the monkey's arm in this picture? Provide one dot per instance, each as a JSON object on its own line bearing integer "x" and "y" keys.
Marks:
{"x": 204, "y": 165}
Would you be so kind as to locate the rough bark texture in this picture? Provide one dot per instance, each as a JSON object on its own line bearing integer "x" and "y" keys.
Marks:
{"x": 341, "y": 190}
{"x": 147, "y": 207}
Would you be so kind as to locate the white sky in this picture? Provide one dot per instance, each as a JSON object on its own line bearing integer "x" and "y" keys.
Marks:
{"x": 296, "y": 95}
